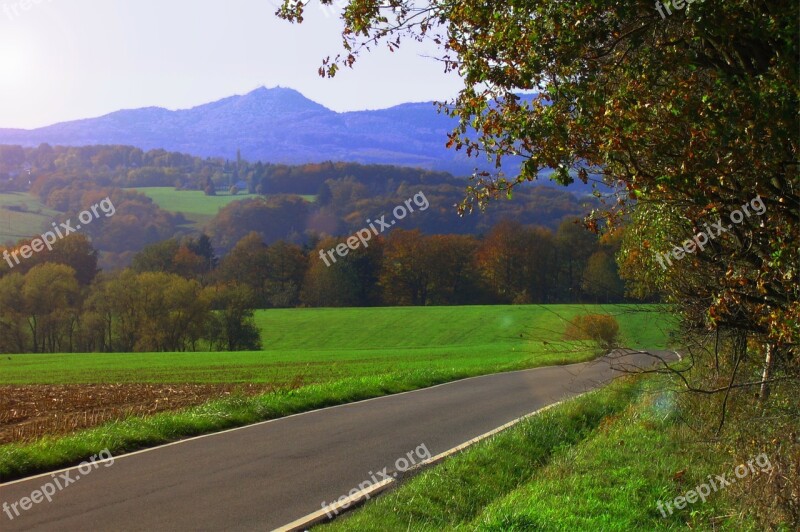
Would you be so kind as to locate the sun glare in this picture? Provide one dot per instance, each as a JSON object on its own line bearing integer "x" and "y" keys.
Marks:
{"x": 13, "y": 63}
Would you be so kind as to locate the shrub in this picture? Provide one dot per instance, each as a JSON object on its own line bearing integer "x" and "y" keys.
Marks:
{"x": 600, "y": 328}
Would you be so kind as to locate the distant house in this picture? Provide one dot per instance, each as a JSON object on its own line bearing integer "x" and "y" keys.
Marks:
{"x": 242, "y": 185}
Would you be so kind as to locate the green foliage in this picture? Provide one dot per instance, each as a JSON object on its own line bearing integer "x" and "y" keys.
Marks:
{"x": 75, "y": 251}
{"x": 232, "y": 328}
{"x": 273, "y": 218}
{"x": 691, "y": 118}
{"x": 66, "y": 178}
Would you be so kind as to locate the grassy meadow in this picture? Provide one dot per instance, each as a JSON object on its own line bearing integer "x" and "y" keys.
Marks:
{"x": 194, "y": 204}
{"x": 23, "y": 216}
{"x": 324, "y": 345}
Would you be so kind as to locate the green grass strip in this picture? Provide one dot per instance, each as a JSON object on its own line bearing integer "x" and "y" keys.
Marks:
{"x": 615, "y": 480}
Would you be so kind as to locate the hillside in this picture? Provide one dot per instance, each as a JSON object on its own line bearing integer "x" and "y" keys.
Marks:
{"x": 272, "y": 125}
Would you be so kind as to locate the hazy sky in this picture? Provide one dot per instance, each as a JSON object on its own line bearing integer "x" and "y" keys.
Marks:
{"x": 67, "y": 59}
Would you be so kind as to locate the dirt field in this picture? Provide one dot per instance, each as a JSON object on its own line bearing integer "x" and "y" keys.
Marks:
{"x": 30, "y": 412}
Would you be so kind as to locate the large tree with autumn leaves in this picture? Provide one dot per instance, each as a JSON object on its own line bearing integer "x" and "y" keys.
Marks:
{"x": 687, "y": 117}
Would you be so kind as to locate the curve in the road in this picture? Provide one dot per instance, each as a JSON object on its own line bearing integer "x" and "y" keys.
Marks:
{"x": 266, "y": 475}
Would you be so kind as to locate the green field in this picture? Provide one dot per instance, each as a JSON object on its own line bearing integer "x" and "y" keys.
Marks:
{"x": 324, "y": 345}
{"x": 194, "y": 204}
{"x": 190, "y": 202}
{"x": 15, "y": 225}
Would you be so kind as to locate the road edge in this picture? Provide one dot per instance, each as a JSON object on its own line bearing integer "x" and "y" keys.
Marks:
{"x": 322, "y": 516}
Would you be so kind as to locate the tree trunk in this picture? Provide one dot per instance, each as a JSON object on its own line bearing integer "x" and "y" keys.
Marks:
{"x": 769, "y": 363}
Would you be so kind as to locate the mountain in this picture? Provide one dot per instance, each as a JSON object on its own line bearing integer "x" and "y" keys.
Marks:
{"x": 276, "y": 125}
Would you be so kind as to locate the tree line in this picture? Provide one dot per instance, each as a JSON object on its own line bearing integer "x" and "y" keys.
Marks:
{"x": 58, "y": 301}
{"x": 512, "y": 263}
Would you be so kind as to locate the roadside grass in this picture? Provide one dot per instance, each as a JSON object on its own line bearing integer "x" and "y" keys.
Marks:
{"x": 317, "y": 358}
{"x": 602, "y": 461}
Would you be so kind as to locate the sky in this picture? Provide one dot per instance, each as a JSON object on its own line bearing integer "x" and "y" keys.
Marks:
{"x": 69, "y": 59}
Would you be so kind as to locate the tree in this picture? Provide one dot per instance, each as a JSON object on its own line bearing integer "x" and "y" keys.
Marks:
{"x": 172, "y": 312}
{"x": 50, "y": 298}
{"x": 517, "y": 262}
{"x": 232, "y": 327}
{"x": 77, "y": 252}
{"x": 351, "y": 282}
{"x": 158, "y": 257}
{"x": 247, "y": 264}
{"x": 187, "y": 263}
{"x": 273, "y": 218}
{"x": 13, "y": 326}
{"x": 324, "y": 195}
{"x": 209, "y": 188}
{"x": 574, "y": 246}
{"x": 453, "y": 277}
{"x": 202, "y": 247}
{"x": 286, "y": 267}
{"x": 600, "y": 279}
{"x": 405, "y": 276}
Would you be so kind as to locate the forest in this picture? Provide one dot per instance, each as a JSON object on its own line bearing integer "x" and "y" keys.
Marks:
{"x": 67, "y": 179}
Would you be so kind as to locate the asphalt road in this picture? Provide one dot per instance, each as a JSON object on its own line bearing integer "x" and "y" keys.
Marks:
{"x": 264, "y": 476}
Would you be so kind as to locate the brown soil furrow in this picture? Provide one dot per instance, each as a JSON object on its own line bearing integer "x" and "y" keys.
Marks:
{"x": 30, "y": 412}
